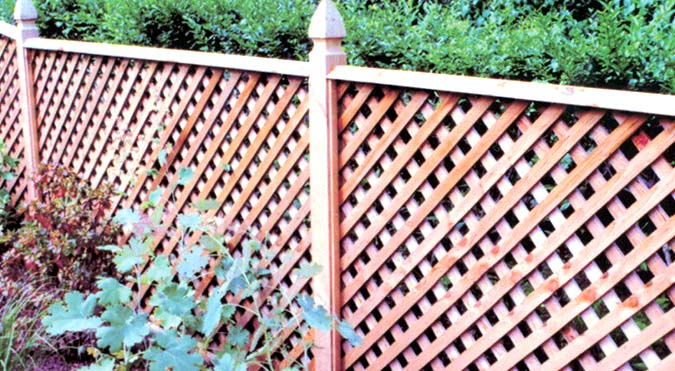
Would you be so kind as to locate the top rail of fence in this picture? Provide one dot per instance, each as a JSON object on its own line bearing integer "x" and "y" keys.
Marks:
{"x": 658, "y": 104}
{"x": 239, "y": 62}
{"x": 8, "y": 30}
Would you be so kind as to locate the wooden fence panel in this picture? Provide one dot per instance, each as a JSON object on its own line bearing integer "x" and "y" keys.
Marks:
{"x": 244, "y": 134}
{"x": 10, "y": 112}
{"x": 484, "y": 233}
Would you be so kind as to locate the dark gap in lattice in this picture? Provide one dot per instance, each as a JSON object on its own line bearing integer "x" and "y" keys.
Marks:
{"x": 390, "y": 228}
{"x": 416, "y": 311}
{"x": 524, "y": 328}
{"x": 391, "y": 190}
{"x": 622, "y": 291}
{"x": 512, "y": 176}
{"x": 661, "y": 349}
{"x": 433, "y": 141}
{"x": 527, "y": 244}
{"x": 364, "y": 292}
{"x": 462, "y": 227}
{"x": 669, "y": 153}
{"x": 476, "y": 292}
{"x": 479, "y": 169}
{"x": 548, "y": 182}
{"x": 618, "y": 337}
{"x": 668, "y": 205}
{"x": 417, "y": 234}
{"x": 540, "y": 354}
{"x": 495, "y": 194}
{"x": 526, "y": 287}
{"x": 464, "y": 146}
{"x": 419, "y": 119}
{"x": 545, "y": 270}
{"x": 600, "y": 308}
{"x": 448, "y": 164}
{"x": 464, "y": 104}
{"x": 377, "y": 205}
{"x": 521, "y": 366}
{"x": 603, "y": 263}
{"x": 582, "y": 280}
{"x": 480, "y": 127}
{"x": 562, "y": 297}
{"x": 405, "y": 137}
{"x": 665, "y": 303}
{"x": 433, "y": 181}
{"x": 475, "y": 332}
{"x": 511, "y": 218}
{"x": 646, "y": 225}
{"x": 532, "y": 112}
{"x": 649, "y": 177}
{"x": 418, "y": 197}
{"x": 403, "y": 251}
{"x": 461, "y": 307}
{"x": 605, "y": 216}
{"x": 494, "y": 236}
{"x": 510, "y": 260}
{"x": 477, "y": 252}
{"x": 546, "y": 227}
{"x": 559, "y": 340}
{"x": 584, "y": 235}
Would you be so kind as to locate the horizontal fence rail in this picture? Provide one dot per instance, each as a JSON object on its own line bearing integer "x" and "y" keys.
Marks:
{"x": 481, "y": 224}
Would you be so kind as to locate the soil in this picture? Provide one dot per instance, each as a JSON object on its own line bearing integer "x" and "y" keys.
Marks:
{"x": 56, "y": 363}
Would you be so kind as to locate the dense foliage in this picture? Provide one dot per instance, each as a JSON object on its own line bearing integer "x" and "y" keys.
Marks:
{"x": 180, "y": 332}
{"x": 59, "y": 234}
{"x": 614, "y": 43}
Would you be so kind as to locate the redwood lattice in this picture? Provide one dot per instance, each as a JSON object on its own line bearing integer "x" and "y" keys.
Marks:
{"x": 493, "y": 234}
{"x": 10, "y": 112}
{"x": 244, "y": 134}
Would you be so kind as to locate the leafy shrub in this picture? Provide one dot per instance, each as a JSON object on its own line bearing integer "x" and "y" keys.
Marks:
{"x": 60, "y": 232}
{"x": 7, "y": 167}
{"x": 179, "y": 332}
{"x": 617, "y": 44}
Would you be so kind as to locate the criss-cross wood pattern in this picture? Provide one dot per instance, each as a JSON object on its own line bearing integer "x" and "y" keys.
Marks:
{"x": 493, "y": 234}
{"x": 10, "y": 113}
{"x": 135, "y": 123}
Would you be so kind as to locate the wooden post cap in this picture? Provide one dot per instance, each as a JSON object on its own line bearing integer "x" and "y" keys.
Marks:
{"x": 327, "y": 22}
{"x": 25, "y": 11}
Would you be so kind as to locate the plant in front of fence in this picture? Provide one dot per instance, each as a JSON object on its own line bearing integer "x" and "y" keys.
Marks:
{"x": 175, "y": 328}
{"x": 59, "y": 234}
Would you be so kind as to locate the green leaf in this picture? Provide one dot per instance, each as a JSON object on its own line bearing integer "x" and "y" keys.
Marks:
{"x": 112, "y": 292}
{"x": 132, "y": 254}
{"x": 214, "y": 312}
{"x": 127, "y": 218}
{"x": 155, "y": 196}
{"x": 205, "y": 205}
{"x": 77, "y": 315}
{"x": 227, "y": 168}
{"x": 348, "y": 333}
{"x": 174, "y": 352}
{"x": 307, "y": 270}
{"x": 159, "y": 271}
{"x": 228, "y": 363}
{"x": 190, "y": 222}
{"x": 162, "y": 157}
{"x": 191, "y": 262}
{"x": 125, "y": 328}
{"x": 212, "y": 243}
{"x": 315, "y": 316}
{"x": 103, "y": 364}
{"x": 185, "y": 174}
{"x": 238, "y": 336}
{"x": 173, "y": 302}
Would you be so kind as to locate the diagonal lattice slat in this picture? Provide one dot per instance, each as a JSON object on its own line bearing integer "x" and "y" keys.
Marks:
{"x": 486, "y": 233}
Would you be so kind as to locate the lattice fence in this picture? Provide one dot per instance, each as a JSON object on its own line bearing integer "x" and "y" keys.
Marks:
{"x": 10, "y": 109}
{"x": 494, "y": 234}
{"x": 134, "y": 124}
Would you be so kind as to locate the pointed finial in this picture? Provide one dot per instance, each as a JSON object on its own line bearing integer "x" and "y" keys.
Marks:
{"x": 25, "y": 11}
{"x": 327, "y": 22}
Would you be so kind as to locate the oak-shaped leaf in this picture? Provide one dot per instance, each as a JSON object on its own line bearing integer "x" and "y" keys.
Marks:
{"x": 315, "y": 315}
{"x": 191, "y": 262}
{"x": 132, "y": 254}
{"x": 112, "y": 292}
{"x": 174, "y": 352}
{"x": 172, "y": 303}
{"x": 125, "y": 327}
{"x": 227, "y": 362}
{"x": 103, "y": 364}
{"x": 159, "y": 271}
{"x": 77, "y": 315}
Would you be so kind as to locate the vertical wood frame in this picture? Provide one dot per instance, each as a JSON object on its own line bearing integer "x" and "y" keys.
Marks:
{"x": 25, "y": 15}
{"x": 326, "y": 31}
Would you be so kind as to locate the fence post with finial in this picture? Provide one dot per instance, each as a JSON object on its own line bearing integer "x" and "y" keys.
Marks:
{"x": 326, "y": 31}
{"x": 25, "y": 15}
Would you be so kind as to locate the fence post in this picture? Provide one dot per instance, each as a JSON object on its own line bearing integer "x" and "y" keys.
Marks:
{"x": 326, "y": 31}
{"x": 25, "y": 15}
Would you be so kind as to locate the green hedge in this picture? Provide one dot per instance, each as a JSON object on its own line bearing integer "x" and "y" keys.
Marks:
{"x": 626, "y": 44}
